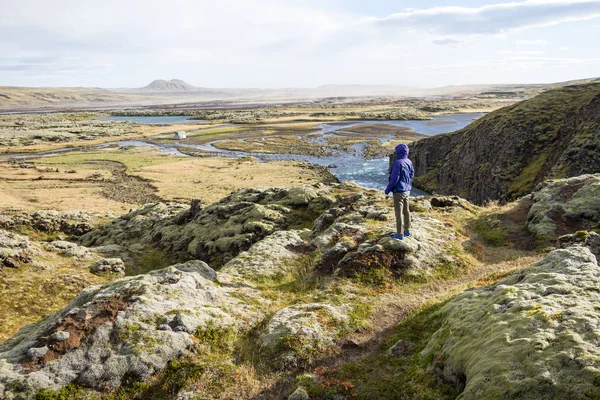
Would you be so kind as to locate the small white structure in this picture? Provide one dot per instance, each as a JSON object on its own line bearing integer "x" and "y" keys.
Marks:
{"x": 180, "y": 135}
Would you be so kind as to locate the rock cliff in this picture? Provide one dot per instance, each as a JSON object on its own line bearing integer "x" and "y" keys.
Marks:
{"x": 505, "y": 154}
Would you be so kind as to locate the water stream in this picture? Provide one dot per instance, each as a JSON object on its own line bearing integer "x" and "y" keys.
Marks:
{"x": 345, "y": 165}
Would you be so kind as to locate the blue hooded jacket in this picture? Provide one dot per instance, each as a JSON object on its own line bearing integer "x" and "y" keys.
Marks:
{"x": 402, "y": 172}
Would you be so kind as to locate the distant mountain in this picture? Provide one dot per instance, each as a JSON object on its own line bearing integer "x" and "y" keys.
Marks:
{"x": 174, "y": 85}
{"x": 505, "y": 154}
{"x": 176, "y": 91}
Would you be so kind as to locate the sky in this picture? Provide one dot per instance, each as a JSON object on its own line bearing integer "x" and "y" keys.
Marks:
{"x": 297, "y": 43}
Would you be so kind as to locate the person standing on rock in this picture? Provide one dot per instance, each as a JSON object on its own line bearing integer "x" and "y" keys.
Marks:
{"x": 400, "y": 184}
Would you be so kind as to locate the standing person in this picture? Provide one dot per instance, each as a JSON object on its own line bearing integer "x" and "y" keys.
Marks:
{"x": 400, "y": 185}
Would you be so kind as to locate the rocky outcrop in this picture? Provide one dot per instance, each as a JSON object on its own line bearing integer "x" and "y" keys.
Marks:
{"x": 590, "y": 240}
{"x": 563, "y": 206}
{"x": 16, "y": 250}
{"x": 352, "y": 245}
{"x": 532, "y": 335}
{"x": 50, "y": 221}
{"x": 505, "y": 154}
{"x": 129, "y": 329}
{"x": 219, "y": 232}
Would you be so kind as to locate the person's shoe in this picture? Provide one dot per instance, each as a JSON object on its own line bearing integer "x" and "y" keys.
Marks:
{"x": 399, "y": 237}
{"x": 406, "y": 233}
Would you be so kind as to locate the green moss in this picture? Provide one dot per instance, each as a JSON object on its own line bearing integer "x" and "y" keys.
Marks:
{"x": 208, "y": 375}
{"x": 491, "y": 231}
{"x": 583, "y": 235}
{"x": 449, "y": 267}
{"x": 379, "y": 276}
{"x": 217, "y": 336}
{"x": 528, "y": 178}
{"x": 150, "y": 260}
{"x": 134, "y": 336}
{"x": 70, "y": 392}
{"x": 429, "y": 181}
{"x": 360, "y": 317}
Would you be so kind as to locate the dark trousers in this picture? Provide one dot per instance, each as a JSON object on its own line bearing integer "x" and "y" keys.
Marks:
{"x": 402, "y": 209}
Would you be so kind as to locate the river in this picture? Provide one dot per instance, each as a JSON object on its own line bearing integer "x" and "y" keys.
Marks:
{"x": 349, "y": 165}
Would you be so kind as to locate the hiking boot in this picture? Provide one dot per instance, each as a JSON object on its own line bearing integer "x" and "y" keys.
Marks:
{"x": 406, "y": 233}
{"x": 399, "y": 237}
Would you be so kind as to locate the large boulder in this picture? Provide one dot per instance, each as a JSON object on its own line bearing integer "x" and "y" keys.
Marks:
{"x": 357, "y": 240}
{"x": 129, "y": 329}
{"x": 272, "y": 257}
{"x": 564, "y": 206}
{"x": 50, "y": 221}
{"x": 532, "y": 335}
{"x": 296, "y": 334}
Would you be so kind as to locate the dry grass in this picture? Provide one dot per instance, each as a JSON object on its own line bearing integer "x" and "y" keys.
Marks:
{"x": 211, "y": 179}
{"x": 174, "y": 178}
{"x": 30, "y": 293}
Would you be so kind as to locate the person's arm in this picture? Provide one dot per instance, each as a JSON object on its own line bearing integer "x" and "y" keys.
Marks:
{"x": 393, "y": 177}
{"x": 412, "y": 171}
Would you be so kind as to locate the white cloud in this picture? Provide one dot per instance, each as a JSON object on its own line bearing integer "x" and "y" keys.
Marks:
{"x": 493, "y": 19}
{"x": 270, "y": 43}
{"x": 564, "y": 48}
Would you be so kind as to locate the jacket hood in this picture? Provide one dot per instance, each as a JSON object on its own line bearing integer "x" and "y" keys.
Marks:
{"x": 402, "y": 151}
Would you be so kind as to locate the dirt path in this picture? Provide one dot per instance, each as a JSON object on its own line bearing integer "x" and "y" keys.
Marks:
{"x": 395, "y": 307}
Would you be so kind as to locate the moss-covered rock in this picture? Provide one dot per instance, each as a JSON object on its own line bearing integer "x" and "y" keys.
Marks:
{"x": 270, "y": 258}
{"x": 296, "y": 334}
{"x": 532, "y": 335}
{"x": 129, "y": 329}
{"x": 16, "y": 250}
{"x": 564, "y": 206}
{"x": 219, "y": 232}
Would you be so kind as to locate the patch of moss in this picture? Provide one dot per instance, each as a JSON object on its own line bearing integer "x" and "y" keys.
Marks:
{"x": 360, "y": 317}
{"x": 136, "y": 339}
{"x": 217, "y": 336}
{"x": 379, "y": 276}
{"x": 70, "y": 392}
{"x": 429, "y": 181}
{"x": 491, "y": 231}
{"x": 528, "y": 178}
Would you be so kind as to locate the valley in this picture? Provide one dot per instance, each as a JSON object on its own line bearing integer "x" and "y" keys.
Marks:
{"x": 252, "y": 258}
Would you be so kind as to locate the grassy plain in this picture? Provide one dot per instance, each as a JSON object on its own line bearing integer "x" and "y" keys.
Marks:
{"x": 102, "y": 180}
